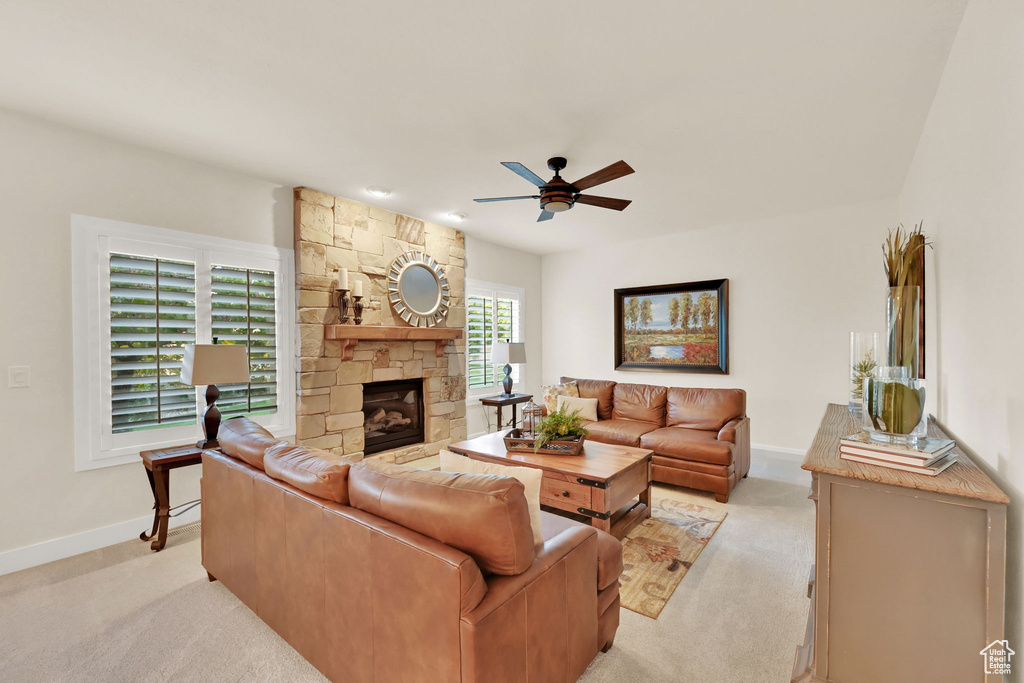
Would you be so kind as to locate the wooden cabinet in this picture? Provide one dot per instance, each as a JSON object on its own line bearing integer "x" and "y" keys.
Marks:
{"x": 908, "y": 580}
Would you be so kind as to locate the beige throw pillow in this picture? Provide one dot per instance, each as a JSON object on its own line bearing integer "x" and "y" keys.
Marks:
{"x": 553, "y": 391}
{"x": 587, "y": 407}
{"x": 530, "y": 477}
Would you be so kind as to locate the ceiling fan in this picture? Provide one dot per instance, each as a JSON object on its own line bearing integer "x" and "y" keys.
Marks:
{"x": 556, "y": 195}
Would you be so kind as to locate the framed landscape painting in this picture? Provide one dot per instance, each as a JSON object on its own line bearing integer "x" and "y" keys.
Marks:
{"x": 678, "y": 328}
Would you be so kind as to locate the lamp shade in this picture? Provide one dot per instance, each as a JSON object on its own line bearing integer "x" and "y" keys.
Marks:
{"x": 215, "y": 364}
{"x": 508, "y": 352}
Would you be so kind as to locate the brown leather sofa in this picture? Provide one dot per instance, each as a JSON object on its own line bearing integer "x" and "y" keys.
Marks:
{"x": 700, "y": 437}
{"x": 376, "y": 572}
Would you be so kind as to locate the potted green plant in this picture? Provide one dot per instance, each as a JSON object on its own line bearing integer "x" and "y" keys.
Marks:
{"x": 560, "y": 433}
{"x": 560, "y": 426}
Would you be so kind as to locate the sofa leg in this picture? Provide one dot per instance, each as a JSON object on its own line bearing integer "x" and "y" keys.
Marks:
{"x": 210, "y": 576}
{"x": 722, "y": 497}
{"x": 608, "y": 645}
{"x": 745, "y": 475}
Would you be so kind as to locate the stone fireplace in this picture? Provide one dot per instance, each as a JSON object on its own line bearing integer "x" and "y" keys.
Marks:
{"x": 335, "y": 369}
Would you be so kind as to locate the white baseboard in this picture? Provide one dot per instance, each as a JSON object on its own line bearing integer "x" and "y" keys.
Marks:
{"x": 76, "y": 544}
{"x": 779, "y": 450}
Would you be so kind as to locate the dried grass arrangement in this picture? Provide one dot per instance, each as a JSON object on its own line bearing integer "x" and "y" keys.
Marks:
{"x": 903, "y": 251}
{"x": 904, "y": 268}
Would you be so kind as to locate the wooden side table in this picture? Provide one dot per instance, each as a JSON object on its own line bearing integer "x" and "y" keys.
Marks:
{"x": 158, "y": 464}
{"x": 500, "y": 402}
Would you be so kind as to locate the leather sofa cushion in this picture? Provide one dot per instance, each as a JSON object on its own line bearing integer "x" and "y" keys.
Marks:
{"x": 688, "y": 444}
{"x": 318, "y": 473}
{"x": 609, "y": 550}
{"x": 601, "y": 389}
{"x": 704, "y": 408}
{"x": 621, "y": 432}
{"x": 484, "y": 516}
{"x": 640, "y": 402}
{"x": 244, "y": 440}
{"x": 530, "y": 476}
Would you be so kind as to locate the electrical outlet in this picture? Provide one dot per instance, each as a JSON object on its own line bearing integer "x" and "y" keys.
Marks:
{"x": 18, "y": 376}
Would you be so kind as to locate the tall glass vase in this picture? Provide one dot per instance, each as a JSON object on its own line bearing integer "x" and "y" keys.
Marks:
{"x": 894, "y": 400}
{"x": 864, "y": 352}
{"x": 902, "y": 315}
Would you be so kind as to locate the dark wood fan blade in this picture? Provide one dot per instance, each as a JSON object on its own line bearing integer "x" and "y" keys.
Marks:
{"x": 505, "y": 199}
{"x": 521, "y": 170}
{"x": 603, "y": 202}
{"x": 545, "y": 216}
{"x": 616, "y": 170}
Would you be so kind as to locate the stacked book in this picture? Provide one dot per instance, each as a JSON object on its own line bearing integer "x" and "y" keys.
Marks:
{"x": 928, "y": 456}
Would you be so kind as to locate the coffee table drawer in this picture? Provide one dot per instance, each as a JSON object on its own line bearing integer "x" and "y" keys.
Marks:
{"x": 563, "y": 494}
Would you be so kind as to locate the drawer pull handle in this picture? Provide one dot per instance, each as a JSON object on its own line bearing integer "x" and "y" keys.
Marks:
{"x": 565, "y": 493}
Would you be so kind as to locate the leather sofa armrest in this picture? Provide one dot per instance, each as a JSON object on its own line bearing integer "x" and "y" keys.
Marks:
{"x": 502, "y": 588}
{"x": 728, "y": 430}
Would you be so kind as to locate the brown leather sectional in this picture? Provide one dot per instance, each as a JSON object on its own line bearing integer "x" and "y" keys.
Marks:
{"x": 375, "y": 572}
{"x": 700, "y": 437}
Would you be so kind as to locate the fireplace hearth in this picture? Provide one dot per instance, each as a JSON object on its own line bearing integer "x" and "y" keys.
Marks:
{"x": 392, "y": 414}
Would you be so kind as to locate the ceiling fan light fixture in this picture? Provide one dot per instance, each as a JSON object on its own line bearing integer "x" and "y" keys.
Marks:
{"x": 378, "y": 191}
{"x": 557, "y": 207}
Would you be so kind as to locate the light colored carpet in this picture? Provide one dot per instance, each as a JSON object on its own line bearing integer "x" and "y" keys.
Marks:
{"x": 658, "y": 553}
{"x": 126, "y": 614}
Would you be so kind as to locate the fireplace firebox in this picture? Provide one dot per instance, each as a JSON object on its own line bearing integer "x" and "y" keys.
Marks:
{"x": 392, "y": 414}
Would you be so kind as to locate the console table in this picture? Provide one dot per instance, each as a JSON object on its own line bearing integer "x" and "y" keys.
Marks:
{"x": 908, "y": 581}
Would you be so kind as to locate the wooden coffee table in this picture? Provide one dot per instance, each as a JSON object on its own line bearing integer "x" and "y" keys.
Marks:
{"x": 607, "y": 486}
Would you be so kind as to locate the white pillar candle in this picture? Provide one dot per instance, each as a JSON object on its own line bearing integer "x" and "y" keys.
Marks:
{"x": 342, "y": 278}
{"x": 357, "y": 288}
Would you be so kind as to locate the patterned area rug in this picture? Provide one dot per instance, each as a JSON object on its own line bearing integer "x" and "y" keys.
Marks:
{"x": 657, "y": 554}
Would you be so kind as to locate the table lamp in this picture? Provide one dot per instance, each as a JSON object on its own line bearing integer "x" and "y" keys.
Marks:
{"x": 505, "y": 353}
{"x": 213, "y": 364}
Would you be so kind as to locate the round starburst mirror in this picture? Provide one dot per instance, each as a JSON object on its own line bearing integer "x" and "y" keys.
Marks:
{"x": 418, "y": 289}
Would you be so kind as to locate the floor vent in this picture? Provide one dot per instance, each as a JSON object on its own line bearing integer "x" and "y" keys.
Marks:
{"x": 185, "y": 529}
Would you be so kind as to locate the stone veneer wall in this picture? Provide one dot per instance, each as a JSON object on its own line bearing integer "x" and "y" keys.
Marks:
{"x": 332, "y": 233}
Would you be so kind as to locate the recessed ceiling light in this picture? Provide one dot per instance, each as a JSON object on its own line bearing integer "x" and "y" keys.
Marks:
{"x": 378, "y": 191}
{"x": 457, "y": 216}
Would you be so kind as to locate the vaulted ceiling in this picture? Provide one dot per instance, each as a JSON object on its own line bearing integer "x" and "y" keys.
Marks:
{"x": 728, "y": 110}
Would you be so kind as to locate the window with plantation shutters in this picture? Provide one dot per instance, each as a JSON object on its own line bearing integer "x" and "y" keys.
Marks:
{"x": 142, "y": 295}
{"x": 493, "y": 313}
{"x": 152, "y": 318}
{"x": 243, "y": 312}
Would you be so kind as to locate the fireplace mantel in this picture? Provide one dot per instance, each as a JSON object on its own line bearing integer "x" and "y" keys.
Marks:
{"x": 350, "y": 335}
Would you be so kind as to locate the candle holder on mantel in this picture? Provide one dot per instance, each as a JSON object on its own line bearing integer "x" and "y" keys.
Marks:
{"x": 343, "y": 302}
{"x": 357, "y": 306}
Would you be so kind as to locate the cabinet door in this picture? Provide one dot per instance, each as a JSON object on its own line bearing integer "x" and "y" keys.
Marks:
{"x": 905, "y": 583}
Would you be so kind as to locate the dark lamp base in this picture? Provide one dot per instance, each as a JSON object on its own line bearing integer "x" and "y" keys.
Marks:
{"x": 211, "y": 419}
{"x": 506, "y": 383}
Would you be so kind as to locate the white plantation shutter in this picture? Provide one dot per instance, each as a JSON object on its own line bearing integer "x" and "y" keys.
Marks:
{"x": 142, "y": 294}
{"x": 493, "y": 313}
{"x": 152, "y": 318}
{"x": 479, "y": 337}
{"x": 243, "y": 312}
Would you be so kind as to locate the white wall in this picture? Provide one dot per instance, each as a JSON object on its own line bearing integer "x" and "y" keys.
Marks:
{"x": 967, "y": 182}
{"x": 502, "y": 265}
{"x": 48, "y": 173}
{"x": 798, "y": 286}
